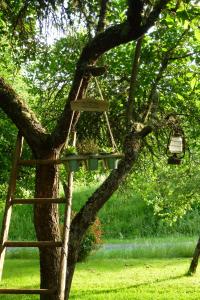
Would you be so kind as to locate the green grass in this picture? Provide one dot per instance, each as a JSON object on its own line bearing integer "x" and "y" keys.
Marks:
{"x": 21, "y": 273}
{"x": 142, "y": 279}
{"x": 150, "y": 248}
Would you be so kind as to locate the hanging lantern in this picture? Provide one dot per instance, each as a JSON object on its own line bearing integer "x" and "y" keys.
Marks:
{"x": 176, "y": 149}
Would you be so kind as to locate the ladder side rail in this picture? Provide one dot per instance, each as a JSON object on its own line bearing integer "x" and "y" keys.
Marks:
{"x": 27, "y": 291}
{"x": 66, "y": 232}
{"x": 65, "y": 238}
{"x": 8, "y": 205}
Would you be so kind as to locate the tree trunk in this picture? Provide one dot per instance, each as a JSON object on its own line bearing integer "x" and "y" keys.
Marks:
{"x": 195, "y": 259}
{"x": 46, "y": 220}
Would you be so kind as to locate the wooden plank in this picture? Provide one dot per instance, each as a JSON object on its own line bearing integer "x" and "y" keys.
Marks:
{"x": 68, "y": 189}
{"x": 66, "y": 232}
{"x": 28, "y": 291}
{"x": 32, "y": 244}
{"x": 10, "y": 193}
{"x": 90, "y": 105}
{"x": 32, "y": 162}
{"x": 37, "y": 201}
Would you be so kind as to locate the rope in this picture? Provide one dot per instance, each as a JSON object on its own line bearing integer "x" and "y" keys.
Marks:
{"x": 72, "y": 117}
{"x": 114, "y": 145}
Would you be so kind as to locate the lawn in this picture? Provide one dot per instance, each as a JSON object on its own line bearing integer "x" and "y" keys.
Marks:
{"x": 114, "y": 279}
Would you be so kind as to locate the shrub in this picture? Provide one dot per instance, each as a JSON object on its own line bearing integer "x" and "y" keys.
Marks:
{"x": 91, "y": 241}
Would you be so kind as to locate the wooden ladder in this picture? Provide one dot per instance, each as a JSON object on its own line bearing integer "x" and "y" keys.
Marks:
{"x": 10, "y": 201}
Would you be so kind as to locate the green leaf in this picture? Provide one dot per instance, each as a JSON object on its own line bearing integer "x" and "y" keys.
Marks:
{"x": 197, "y": 34}
{"x": 193, "y": 83}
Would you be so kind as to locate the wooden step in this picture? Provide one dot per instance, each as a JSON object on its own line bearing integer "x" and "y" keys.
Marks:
{"x": 33, "y": 162}
{"x": 38, "y": 201}
{"x": 38, "y": 244}
{"x": 27, "y": 291}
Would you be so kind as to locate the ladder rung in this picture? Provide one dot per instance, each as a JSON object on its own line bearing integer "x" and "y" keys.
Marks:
{"x": 38, "y": 200}
{"x": 26, "y": 291}
{"x": 32, "y": 244}
{"x": 33, "y": 162}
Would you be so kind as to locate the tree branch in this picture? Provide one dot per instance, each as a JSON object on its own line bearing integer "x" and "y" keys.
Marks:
{"x": 183, "y": 56}
{"x": 114, "y": 36}
{"x": 21, "y": 116}
{"x": 154, "y": 14}
{"x": 153, "y": 97}
{"x": 102, "y": 16}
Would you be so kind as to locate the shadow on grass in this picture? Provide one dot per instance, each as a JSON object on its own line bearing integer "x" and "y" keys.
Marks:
{"x": 82, "y": 294}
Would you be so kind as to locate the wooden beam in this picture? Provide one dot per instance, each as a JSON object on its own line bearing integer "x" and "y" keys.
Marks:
{"x": 37, "y": 201}
{"x": 32, "y": 162}
{"x": 27, "y": 291}
{"x": 68, "y": 189}
{"x": 66, "y": 232}
{"x": 32, "y": 244}
{"x": 8, "y": 207}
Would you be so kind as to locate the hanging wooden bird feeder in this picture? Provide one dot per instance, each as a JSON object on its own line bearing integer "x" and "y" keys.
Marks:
{"x": 89, "y": 103}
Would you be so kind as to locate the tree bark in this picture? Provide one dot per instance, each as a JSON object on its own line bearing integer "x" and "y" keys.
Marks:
{"x": 22, "y": 117}
{"x": 46, "y": 222}
{"x": 195, "y": 259}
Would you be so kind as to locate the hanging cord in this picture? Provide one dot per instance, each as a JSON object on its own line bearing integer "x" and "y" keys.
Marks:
{"x": 72, "y": 117}
{"x": 114, "y": 145}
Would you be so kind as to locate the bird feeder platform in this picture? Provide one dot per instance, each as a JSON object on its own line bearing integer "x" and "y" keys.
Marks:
{"x": 89, "y": 104}
{"x": 33, "y": 162}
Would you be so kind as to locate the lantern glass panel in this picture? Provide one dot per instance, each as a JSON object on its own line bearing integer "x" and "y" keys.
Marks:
{"x": 176, "y": 144}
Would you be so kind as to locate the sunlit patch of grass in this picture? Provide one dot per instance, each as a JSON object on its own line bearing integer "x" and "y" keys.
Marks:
{"x": 20, "y": 273}
{"x": 134, "y": 279}
{"x": 113, "y": 279}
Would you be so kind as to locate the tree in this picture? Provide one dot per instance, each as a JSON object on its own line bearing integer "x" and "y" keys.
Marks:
{"x": 20, "y": 20}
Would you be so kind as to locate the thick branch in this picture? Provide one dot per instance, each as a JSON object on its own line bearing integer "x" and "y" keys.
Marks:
{"x": 103, "y": 42}
{"x": 87, "y": 214}
{"x": 21, "y": 115}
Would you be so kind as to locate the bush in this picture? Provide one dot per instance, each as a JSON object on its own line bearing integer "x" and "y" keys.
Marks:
{"x": 91, "y": 241}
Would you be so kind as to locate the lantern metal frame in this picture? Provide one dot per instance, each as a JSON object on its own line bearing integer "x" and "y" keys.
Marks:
{"x": 174, "y": 158}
